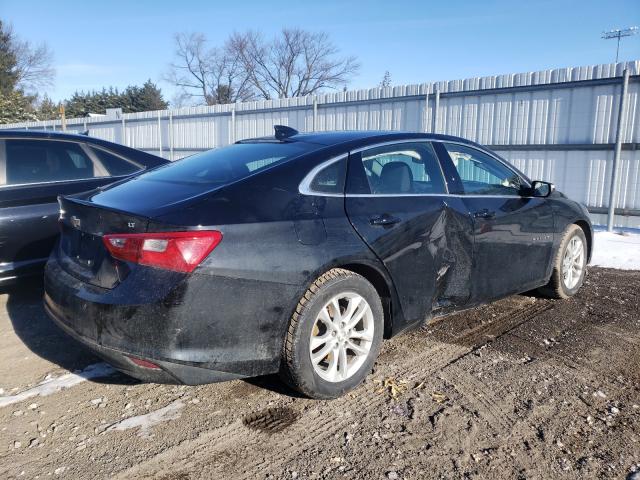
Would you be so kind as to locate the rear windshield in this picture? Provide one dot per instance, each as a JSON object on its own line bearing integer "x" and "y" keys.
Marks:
{"x": 228, "y": 164}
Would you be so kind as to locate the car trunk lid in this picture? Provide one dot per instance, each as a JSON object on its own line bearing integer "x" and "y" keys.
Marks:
{"x": 82, "y": 252}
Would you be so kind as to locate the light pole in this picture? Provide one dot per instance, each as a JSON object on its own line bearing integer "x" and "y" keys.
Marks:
{"x": 618, "y": 34}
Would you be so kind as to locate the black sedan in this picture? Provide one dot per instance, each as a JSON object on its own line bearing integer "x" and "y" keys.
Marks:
{"x": 35, "y": 167}
{"x": 299, "y": 253}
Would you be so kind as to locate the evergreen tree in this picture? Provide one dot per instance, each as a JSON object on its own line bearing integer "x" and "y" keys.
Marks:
{"x": 132, "y": 99}
{"x": 8, "y": 61}
{"x": 48, "y": 109}
{"x": 78, "y": 105}
{"x": 149, "y": 97}
{"x": 16, "y": 107}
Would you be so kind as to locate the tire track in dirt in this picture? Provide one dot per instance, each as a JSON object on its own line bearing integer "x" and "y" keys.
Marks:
{"x": 495, "y": 330}
{"x": 486, "y": 403}
{"x": 203, "y": 455}
{"x": 544, "y": 427}
{"x": 620, "y": 334}
{"x": 559, "y": 351}
{"x": 536, "y": 425}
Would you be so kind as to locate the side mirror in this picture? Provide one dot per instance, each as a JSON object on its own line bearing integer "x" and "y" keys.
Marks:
{"x": 541, "y": 189}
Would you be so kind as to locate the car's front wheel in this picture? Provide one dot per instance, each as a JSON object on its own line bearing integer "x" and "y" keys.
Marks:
{"x": 570, "y": 265}
{"x": 334, "y": 335}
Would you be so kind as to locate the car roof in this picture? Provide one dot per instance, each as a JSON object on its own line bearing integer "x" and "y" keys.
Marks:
{"x": 319, "y": 138}
{"x": 52, "y": 135}
{"x": 15, "y": 133}
{"x": 140, "y": 156}
{"x": 354, "y": 138}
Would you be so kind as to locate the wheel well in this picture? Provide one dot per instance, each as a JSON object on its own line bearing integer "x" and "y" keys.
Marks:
{"x": 380, "y": 284}
{"x": 588, "y": 235}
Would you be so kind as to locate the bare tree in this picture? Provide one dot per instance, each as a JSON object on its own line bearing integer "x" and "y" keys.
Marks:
{"x": 32, "y": 66}
{"x": 295, "y": 63}
{"x": 211, "y": 75}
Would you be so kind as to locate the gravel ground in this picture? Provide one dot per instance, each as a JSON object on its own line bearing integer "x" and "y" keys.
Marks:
{"x": 522, "y": 388}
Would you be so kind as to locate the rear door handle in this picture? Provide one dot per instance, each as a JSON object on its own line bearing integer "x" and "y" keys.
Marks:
{"x": 384, "y": 220}
{"x": 484, "y": 213}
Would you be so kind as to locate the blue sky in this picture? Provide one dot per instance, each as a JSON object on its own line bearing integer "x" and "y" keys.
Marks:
{"x": 100, "y": 43}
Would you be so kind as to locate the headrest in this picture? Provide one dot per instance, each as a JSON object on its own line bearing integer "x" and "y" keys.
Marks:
{"x": 396, "y": 177}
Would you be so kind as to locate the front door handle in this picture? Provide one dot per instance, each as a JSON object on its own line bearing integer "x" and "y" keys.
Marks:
{"x": 484, "y": 213}
{"x": 383, "y": 220}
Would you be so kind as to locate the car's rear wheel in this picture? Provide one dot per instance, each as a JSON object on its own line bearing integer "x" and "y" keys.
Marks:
{"x": 334, "y": 335}
{"x": 570, "y": 265}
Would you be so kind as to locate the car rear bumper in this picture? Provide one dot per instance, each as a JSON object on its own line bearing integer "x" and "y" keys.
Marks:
{"x": 197, "y": 329}
{"x": 168, "y": 372}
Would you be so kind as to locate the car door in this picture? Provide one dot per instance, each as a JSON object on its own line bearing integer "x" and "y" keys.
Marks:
{"x": 33, "y": 173}
{"x": 513, "y": 232}
{"x": 396, "y": 201}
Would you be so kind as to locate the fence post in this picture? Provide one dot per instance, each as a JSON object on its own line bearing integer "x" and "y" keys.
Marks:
{"x": 613, "y": 191}
{"x": 435, "y": 110}
{"x": 159, "y": 134}
{"x": 171, "y": 135}
{"x": 232, "y": 133}
{"x": 315, "y": 114}
{"x": 426, "y": 112}
{"x": 124, "y": 134}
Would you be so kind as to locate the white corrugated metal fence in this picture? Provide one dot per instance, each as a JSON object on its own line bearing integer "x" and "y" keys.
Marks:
{"x": 557, "y": 125}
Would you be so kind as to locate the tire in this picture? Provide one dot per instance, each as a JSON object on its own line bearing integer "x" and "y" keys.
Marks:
{"x": 315, "y": 317}
{"x": 558, "y": 287}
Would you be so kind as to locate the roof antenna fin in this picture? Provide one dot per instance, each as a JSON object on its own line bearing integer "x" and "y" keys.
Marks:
{"x": 282, "y": 131}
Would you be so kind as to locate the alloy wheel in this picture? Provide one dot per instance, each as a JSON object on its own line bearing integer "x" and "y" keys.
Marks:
{"x": 573, "y": 262}
{"x": 341, "y": 337}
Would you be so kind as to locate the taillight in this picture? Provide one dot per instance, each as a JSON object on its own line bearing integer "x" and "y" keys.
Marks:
{"x": 179, "y": 251}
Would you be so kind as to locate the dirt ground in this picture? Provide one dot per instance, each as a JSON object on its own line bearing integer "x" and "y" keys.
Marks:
{"x": 523, "y": 388}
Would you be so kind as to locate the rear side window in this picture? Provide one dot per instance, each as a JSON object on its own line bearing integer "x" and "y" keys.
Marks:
{"x": 38, "y": 161}
{"x": 330, "y": 179}
{"x": 115, "y": 165}
{"x": 228, "y": 164}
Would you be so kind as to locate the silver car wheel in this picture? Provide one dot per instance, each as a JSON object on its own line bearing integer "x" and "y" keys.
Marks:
{"x": 573, "y": 263}
{"x": 341, "y": 337}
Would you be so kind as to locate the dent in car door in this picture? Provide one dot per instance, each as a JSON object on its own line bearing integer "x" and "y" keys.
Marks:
{"x": 513, "y": 234}
{"x": 396, "y": 201}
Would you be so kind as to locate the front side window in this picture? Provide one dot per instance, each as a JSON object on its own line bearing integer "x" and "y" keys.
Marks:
{"x": 482, "y": 174}
{"x": 403, "y": 168}
{"x": 38, "y": 161}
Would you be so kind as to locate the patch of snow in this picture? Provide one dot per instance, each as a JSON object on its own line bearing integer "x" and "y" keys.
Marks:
{"x": 54, "y": 384}
{"x": 149, "y": 420}
{"x": 613, "y": 250}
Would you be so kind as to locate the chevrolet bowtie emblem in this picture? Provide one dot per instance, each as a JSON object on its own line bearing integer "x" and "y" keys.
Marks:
{"x": 75, "y": 221}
